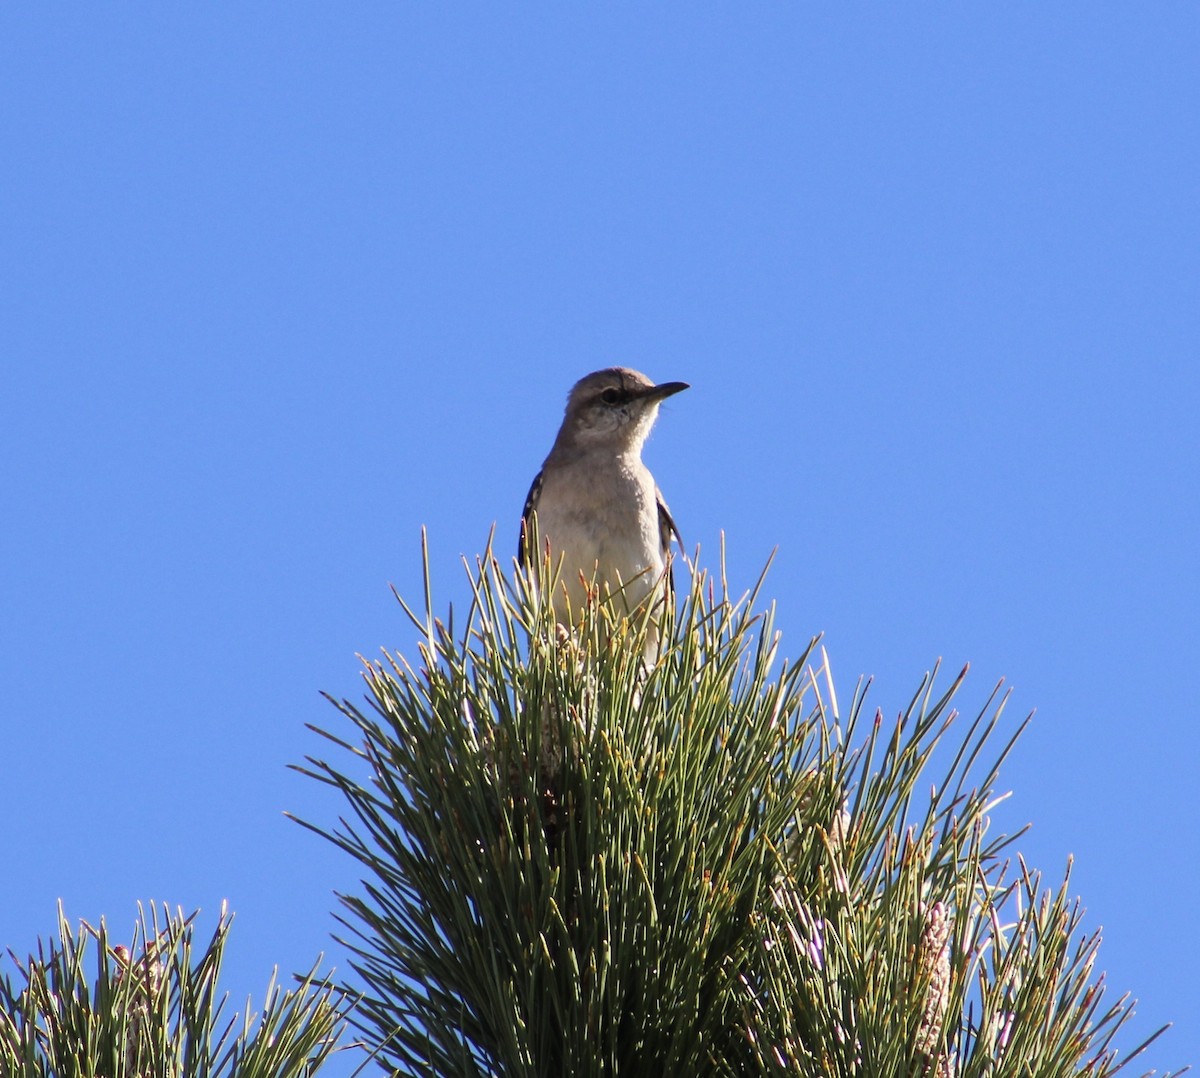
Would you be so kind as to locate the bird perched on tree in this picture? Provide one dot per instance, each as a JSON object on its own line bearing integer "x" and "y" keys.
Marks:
{"x": 597, "y": 506}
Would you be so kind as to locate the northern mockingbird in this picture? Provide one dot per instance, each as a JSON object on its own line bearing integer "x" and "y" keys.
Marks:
{"x": 598, "y": 508}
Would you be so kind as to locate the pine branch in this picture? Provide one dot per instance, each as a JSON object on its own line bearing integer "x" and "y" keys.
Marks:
{"x": 152, "y": 1009}
{"x": 583, "y": 856}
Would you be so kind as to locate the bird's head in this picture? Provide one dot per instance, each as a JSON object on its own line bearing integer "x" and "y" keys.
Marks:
{"x": 616, "y": 406}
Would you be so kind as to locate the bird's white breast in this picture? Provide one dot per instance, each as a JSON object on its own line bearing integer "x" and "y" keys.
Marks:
{"x": 601, "y": 519}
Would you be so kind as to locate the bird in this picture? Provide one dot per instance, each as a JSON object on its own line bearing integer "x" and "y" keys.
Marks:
{"x": 598, "y": 510}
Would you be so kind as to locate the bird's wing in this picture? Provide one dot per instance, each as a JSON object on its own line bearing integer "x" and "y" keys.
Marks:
{"x": 667, "y": 529}
{"x": 531, "y": 501}
{"x": 666, "y": 525}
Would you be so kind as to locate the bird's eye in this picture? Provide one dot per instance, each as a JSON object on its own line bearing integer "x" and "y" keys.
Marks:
{"x": 610, "y": 396}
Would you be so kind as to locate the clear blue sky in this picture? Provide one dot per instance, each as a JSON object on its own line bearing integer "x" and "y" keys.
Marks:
{"x": 283, "y": 283}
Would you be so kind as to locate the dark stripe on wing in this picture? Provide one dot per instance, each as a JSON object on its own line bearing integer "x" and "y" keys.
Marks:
{"x": 667, "y": 529}
{"x": 531, "y": 501}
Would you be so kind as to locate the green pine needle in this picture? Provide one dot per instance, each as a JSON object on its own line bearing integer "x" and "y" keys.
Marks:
{"x": 585, "y": 855}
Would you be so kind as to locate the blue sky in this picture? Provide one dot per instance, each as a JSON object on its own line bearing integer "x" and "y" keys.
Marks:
{"x": 282, "y": 284}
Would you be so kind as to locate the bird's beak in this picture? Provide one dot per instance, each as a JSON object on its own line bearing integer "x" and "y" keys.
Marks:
{"x": 667, "y": 389}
